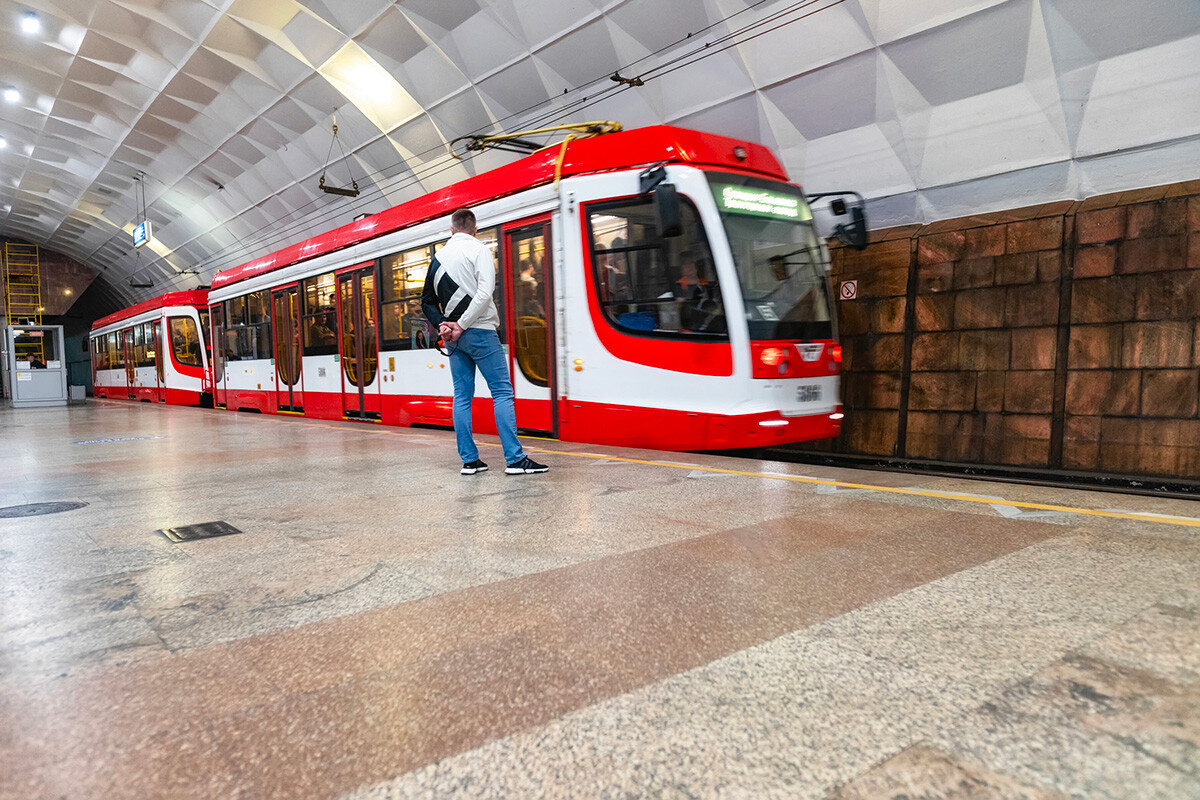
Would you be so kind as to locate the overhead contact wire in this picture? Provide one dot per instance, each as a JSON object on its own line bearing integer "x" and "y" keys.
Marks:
{"x": 432, "y": 170}
{"x": 380, "y": 187}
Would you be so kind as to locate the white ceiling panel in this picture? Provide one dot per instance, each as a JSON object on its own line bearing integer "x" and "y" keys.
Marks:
{"x": 995, "y": 38}
{"x": 783, "y": 53}
{"x": 930, "y": 108}
{"x": 439, "y": 15}
{"x": 437, "y": 76}
{"x": 583, "y": 55}
{"x": 517, "y": 87}
{"x": 485, "y": 45}
{"x": 1163, "y": 81}
{"x": 350, "y": 17}
{"x": 392, "y": 38}
{"x": 824, "y": 102}
{"x": 657, "y": 25}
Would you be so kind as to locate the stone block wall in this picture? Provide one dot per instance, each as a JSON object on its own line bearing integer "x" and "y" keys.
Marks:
{"x": 1063, "y": 336}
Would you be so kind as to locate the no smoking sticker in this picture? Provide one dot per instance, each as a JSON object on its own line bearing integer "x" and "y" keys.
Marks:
{"x": 849, "y": 290}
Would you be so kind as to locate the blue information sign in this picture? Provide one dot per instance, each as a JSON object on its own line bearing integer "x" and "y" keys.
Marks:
{"x": 142, "y": 234}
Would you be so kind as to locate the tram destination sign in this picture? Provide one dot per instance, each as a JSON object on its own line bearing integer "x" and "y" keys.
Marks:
{"x": 759, "y": 202}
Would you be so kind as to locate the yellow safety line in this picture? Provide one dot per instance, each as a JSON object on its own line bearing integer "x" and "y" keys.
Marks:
{"x": 1193, "y": 523}
{"x": 1188, "y": 523}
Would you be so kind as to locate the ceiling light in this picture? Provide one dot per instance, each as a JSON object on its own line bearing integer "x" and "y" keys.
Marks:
{"x": 11, "y": 94}
{"x": 30, "y": 23}
{"x": 66, "y": 291}
{"x": 3, "y": 143}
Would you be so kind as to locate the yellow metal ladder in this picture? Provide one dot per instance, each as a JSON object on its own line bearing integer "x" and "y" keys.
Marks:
{"x": 23, "y": 294}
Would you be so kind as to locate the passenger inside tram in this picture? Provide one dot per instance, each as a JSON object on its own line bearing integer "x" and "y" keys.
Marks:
{"x": 699, "y": 301}
{"x": 185, "y": 344}
{"x": 528, "y": 301}
{"x": 320, "y": 332}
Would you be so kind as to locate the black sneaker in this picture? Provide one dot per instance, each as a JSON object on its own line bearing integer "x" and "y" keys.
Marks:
{"x": 525, "y": 466}
{"x": 473, "y": 467}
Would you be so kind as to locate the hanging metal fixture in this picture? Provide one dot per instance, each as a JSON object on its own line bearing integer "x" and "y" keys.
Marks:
{"x": 338, "y": 190}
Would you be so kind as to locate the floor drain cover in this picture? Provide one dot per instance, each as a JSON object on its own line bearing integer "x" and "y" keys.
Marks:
{"x": 38, "y": 509}
{"x": 205, "y": 530}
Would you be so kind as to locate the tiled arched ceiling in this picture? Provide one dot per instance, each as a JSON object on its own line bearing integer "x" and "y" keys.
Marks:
{"x": 931, "y": 108}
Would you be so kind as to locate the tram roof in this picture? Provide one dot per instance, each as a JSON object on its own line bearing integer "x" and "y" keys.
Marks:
{"x": 604, "y": 153}
{"x": 195, "y": 297}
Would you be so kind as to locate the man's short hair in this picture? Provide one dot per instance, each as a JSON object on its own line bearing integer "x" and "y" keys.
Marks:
{"x": 463, "y": 220}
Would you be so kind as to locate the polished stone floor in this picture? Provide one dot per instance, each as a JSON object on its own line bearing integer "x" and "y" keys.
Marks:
{"x": 630, "y": 624}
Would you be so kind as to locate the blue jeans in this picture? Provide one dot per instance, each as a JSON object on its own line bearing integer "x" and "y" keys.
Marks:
{"x": 480, "y": 347}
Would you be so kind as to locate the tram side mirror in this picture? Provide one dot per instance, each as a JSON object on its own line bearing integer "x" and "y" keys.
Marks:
{"x": 849, "y": 218}
{"x": 854, "y": 233}
{"x": 666, "y": 201}
{"x": 666, "y": 211}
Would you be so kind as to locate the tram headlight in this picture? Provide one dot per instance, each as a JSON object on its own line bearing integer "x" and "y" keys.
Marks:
{"x": 579, "y": 365}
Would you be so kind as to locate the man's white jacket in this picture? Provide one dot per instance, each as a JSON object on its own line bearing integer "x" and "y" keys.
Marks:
{"x": 459, "y": 284}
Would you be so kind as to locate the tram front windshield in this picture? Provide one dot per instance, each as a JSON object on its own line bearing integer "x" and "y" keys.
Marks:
{"x": 777, "y": 255}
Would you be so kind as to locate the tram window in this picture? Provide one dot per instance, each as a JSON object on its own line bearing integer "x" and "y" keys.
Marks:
{"x": 97, "y": 349}
{"x": 320, "y": 316}
{"x": 247, "y": 342}
{"x": 185, "y": 341}
{"x": 116, "y": 346}
{"x": 650, "y": 285}
{"x": 139, "y": 346}
{"x": 151, "y": 346}
{"x": 491, "y": 238}
{"x": 404, "y": 326}
{"x": 247, "y": 327}
{"x": 218, "y": 333}
{"x": 256, "y": 308}
{"x": 205, "y": 334}
{"x": 143, "y": 347}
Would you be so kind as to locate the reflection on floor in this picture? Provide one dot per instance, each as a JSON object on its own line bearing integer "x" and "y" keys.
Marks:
{"x": 630, "y": 624}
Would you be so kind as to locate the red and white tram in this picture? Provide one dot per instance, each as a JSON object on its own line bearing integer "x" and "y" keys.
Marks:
{"x": 658, "y": 288}
{"x": 154, "y": 351}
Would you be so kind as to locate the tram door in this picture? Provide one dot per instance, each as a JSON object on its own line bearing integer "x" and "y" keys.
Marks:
{"x": 217, "y": 315}
{"x": 529, "y": 326}
{"x": 289, "y": 386}
{"x": 358, "y": 342}
{"x": 130, "y": 364}
{"x": 155, "y": 346}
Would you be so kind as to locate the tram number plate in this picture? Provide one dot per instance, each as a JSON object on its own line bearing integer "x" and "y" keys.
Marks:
{"x": 808, "y": 393}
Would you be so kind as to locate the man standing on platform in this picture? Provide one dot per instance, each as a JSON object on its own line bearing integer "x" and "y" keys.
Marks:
{"x": 457, "y": 298}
